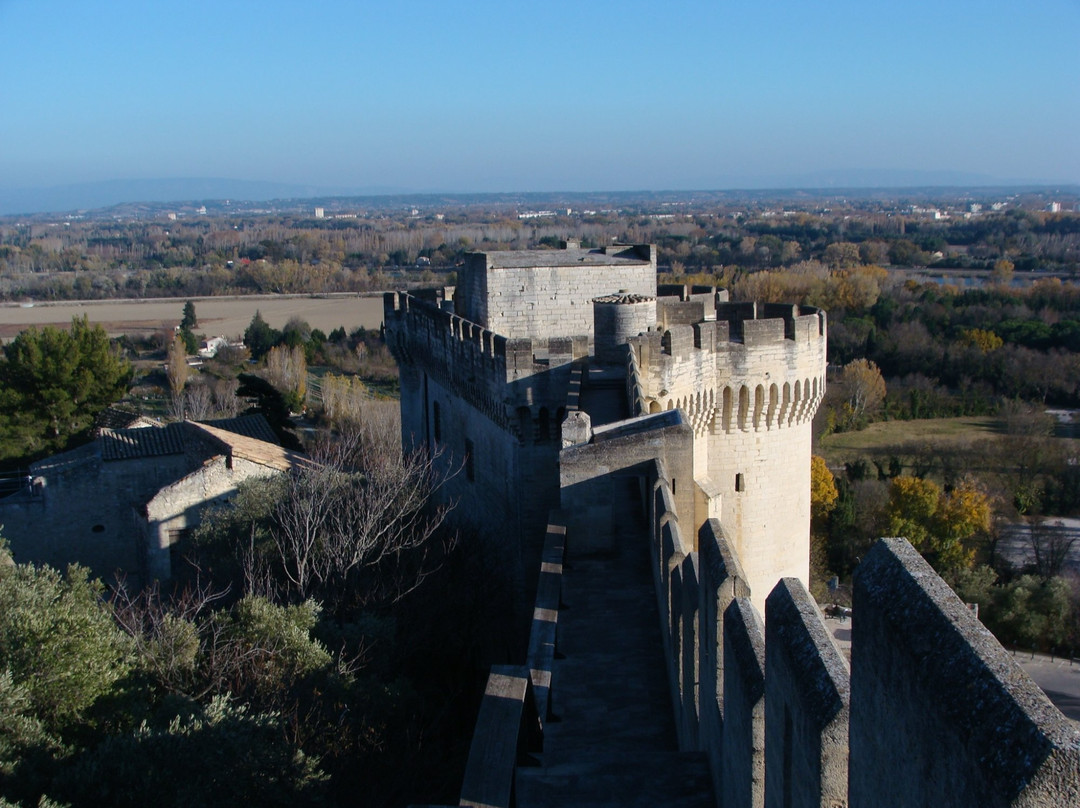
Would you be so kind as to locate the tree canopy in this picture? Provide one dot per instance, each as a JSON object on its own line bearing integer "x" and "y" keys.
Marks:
{"x": 190, "y": 320}
{"x": 259, "y": 337}
{"x": 939, "y": 524}
{"x": 53, "y": 383}
{"x": 823, "y": 492}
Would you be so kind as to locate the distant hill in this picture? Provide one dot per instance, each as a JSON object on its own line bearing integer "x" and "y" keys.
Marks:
{"x": 125, "y": 196}
{"x": 92, "y": 195}
{"x": 900, "y": 178}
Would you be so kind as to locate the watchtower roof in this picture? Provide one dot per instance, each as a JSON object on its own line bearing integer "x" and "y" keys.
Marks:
{"x": 624, "y": 299}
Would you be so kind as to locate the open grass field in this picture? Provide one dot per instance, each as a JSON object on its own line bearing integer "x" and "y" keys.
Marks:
{"x": 218, "y": 316}
{"x": 889, "y": 436}
{"x": 956, "y": 437}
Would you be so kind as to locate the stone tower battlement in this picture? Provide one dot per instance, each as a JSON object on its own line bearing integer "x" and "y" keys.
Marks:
{"x": 755, "y": 368}
{"x": 535, "y": 294}
{"x": 487, "y": 378}
{"x": 495, "y": 374}
{"x": 705, "y": 457}
{"x": 749, "y": 383}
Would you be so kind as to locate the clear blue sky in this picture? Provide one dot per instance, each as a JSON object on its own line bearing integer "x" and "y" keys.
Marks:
{"x": 555, "y": 95}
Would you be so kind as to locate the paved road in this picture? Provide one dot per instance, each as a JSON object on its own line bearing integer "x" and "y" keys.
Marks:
{"x": 1055, "y": 534}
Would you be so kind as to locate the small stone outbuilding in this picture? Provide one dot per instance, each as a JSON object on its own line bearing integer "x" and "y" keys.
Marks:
{"x": 122, "y": 504}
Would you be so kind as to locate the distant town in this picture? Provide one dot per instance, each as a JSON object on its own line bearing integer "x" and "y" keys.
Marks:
{"x": 360, "y": 244}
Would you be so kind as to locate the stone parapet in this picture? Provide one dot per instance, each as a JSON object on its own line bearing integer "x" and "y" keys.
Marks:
{"x": 742, "y": 751}
{"x": 930, "y": 681}
{"x": 807, "y": 692}
{"x": 494, "y": 374}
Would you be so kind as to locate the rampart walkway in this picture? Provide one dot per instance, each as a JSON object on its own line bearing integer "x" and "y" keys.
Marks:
{"x": 612, "y": 740}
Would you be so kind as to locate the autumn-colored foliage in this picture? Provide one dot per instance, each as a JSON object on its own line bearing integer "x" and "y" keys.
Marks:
{"x": 823, "y": 492}
{"x": 985, "y": 341}
{"x": 939, "y": 524}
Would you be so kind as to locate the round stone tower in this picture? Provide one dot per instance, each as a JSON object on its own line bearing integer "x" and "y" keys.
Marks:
{"x": 617, "y": 318}
{"x": 749, "y": 384}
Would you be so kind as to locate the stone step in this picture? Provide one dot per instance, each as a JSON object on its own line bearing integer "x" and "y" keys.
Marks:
{"x": 673, "y": 779}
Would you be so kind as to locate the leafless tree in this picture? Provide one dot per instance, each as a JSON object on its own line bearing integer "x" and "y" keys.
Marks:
{"x": 225, "y": 400}
{"x": 1050, "y": 545}
{"x": 354, "y": 513}
{"x": 195, "y": 403}
{"x": 166, "y": 633}
{"x": 176, "y": 367}
{"x": 286, "y": 369}
{"x": 198, "y": 402}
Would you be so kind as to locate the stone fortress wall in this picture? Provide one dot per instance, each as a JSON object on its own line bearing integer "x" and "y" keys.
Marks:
{"x": 932, "y": 710}
{"x": 748, "y": 376}
{"x": 492, "y": 408}
{"x": 720, "y": 396}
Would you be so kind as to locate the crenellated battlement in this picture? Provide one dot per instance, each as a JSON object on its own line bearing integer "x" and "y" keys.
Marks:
{"x": 497, "y": 375}
{"x": 415, "y": 323}
{"x": 409, "y": 319}
{"x": 756, "y": 368}
{"x": 778, "y": 709}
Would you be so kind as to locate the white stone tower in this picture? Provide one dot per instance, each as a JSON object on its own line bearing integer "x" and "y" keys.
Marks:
{"x": 750, "y": 383}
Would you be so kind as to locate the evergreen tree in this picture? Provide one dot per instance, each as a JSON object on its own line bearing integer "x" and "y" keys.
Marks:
{"x": 190, "y": 321}
{"x": 260, "y": 337}
{"x": 53, "y": 383}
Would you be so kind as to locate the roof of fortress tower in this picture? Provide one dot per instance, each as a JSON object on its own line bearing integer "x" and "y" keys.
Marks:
{"x": 569, "y": 257}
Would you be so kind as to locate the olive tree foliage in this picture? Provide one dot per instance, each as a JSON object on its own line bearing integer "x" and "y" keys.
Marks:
{"x": 58, "y": 643}
{"x": 190, "y": 645}
{"x": 61, "y": 657}
{"x": 220, "y": 754}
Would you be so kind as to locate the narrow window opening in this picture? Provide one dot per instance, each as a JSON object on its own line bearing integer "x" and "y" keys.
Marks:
{"x": 740, "y": 484}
